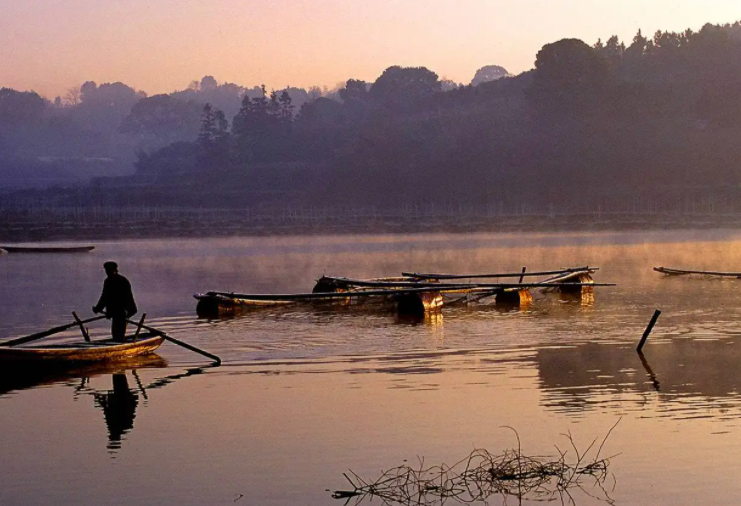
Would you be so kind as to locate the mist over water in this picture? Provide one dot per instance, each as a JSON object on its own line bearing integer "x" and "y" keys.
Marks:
{"x": 306, "y": 393}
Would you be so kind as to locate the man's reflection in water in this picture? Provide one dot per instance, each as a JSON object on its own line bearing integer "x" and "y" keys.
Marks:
{"x": 119, "y": 408}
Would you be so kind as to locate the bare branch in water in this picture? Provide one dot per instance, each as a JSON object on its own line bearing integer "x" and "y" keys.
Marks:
{"x": 482, "y": 475}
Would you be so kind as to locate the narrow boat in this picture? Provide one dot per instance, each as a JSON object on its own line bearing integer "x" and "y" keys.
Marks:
{"x": 47, "y": 249}
{"x": 681, "y": 272}
{"x": 103, "y": 350}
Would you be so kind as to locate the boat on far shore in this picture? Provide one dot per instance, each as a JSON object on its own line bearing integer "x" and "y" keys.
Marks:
{"x": 46, "y": 249}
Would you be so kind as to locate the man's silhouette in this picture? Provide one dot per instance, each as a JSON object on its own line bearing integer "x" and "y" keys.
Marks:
{"x": 119, "y": 408}
{"x": 116, "y": 300}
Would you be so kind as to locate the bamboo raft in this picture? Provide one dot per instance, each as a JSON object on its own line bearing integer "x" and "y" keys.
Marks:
{"x": 680, "y": 272}
{"x": 412, "y": 293}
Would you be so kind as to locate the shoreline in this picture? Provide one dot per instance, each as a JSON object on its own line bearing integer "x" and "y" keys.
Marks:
{"x": 52, "y": 230}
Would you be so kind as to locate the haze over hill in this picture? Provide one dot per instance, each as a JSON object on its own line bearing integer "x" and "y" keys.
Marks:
{"x": 601, "y": 123}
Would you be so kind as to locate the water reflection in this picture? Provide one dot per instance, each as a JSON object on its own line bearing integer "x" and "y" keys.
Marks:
{"x": 119, "y": 404}
{"x": 119, "y": 409}
{"x": 15, "y": 378}
{"x": 682, "y": 374}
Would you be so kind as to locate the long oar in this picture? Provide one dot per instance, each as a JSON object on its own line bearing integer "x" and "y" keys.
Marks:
{"x": 187, "y": 346}
{"x": 55, "y": 330}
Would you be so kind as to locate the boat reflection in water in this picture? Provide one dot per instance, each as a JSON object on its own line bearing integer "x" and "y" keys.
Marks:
{"x": 119, "y": 404}
{"x": 682, "y": 376}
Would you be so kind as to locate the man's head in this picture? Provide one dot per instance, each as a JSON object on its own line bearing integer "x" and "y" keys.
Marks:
{"x": 110, "y": 268}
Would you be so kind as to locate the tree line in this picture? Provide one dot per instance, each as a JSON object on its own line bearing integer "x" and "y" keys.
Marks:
{"x": 606, "y": 121}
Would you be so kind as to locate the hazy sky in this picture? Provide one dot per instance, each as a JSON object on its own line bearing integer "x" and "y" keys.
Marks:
{"x": 161, "y": 45}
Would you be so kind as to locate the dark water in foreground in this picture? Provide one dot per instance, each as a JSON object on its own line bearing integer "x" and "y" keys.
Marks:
{"x": 305, "y": 395}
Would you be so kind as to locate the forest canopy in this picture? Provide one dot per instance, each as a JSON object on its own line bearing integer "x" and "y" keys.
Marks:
{"x": 607, "y": 120}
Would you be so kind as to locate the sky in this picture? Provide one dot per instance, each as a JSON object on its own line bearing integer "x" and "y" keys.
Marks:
{"x": 159, "y": 46}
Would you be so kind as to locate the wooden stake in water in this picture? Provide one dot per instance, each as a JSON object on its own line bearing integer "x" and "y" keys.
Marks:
{"x": 648, "y": 330}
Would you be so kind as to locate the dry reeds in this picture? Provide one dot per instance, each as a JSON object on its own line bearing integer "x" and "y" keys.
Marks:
{"x": 482, "y": 475}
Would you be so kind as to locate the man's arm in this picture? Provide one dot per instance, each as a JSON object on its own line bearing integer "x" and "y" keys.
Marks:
{"x": 103, "y": 300}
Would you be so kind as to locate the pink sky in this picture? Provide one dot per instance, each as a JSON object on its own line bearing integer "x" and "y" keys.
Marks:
{"x": 159, "y": 46}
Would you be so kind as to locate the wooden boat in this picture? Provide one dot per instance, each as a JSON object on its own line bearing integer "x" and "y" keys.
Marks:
{"x": 104, "y": 350}
{"x": 47, "y": 249}
{"x": 680, "y": 272}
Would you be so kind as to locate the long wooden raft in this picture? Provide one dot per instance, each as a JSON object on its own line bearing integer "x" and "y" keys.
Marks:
{"x": 412, "y": 292}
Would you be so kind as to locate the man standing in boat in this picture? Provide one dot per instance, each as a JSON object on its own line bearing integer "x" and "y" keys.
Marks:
{"x": 117, "y": 301}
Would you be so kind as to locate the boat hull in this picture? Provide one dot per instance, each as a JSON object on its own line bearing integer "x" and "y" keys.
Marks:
{"x": 96, "y": 351}
{"x": 47, "y": 249}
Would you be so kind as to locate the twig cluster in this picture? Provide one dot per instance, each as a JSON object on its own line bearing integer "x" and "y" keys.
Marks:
{"x": 482, "y": 475}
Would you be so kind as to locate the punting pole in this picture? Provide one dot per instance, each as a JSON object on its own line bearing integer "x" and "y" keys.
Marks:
{"x": 187, "y": 346}
{"x": 648, "y": 330}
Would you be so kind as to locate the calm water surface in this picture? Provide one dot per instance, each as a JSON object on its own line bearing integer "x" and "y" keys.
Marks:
{"x": 306, "y": 394}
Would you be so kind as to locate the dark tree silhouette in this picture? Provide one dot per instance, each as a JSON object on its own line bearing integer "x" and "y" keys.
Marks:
{"x": 20, "y": 107}
{"x": 568, "y": 74}
{"x": 161, "y": 119}
{"x": 402, "y": 87}
{"x": 213, "y": 140}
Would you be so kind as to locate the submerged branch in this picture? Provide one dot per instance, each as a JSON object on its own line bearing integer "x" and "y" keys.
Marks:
{"x": 482, "y": 475}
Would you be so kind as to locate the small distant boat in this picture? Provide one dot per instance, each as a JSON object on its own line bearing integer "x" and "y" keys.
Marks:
{"x": 681, "y": 272}
{"x": 47, "y": 249}
{"x": 103, "y": 350}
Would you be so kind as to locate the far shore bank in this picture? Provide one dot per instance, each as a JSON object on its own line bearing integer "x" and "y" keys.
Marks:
{"x": 61, "y": 230}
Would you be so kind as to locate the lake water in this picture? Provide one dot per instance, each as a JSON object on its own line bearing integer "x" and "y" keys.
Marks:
{"x": 307, "y": 394}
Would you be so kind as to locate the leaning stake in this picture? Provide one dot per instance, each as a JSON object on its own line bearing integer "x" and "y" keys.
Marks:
{"x": 187, "y": 346}
{"x": 648, "y": 330}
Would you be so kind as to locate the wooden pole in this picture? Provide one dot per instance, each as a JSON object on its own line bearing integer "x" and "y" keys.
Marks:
{"x": 139, "y": 327}
{"x": 82, "y": 326}
{"x": 648, "y": 330}
{"x": 46, "y": 333}
{"x": 187, "y": 346}
{"x": 651, "y": 375}
{"x": 522, "y": 276}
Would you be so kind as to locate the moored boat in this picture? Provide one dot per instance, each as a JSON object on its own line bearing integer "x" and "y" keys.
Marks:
{"x": 47, "y": 249}
{"x": 683, "y": 272}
